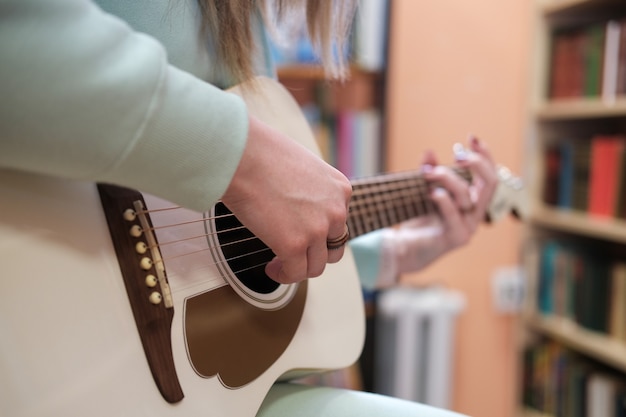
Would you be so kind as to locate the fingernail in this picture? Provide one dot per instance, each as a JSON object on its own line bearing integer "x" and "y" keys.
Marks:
{"x": 438, "y": 192}
{"x": 427, "y": 168}
{"x": 460, "y": 153}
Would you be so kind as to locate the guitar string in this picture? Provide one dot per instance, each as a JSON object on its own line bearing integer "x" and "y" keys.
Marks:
{"x": 206, "y": 235}
{"x": 362, "y": 203}
{"x": 225, "y": 261}
{"x": 374, "y": 192}
{"x": 400, "y": 194}
{"x": 413, "y": 188}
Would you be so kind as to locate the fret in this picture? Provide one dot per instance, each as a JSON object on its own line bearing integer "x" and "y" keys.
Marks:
{"x": 386, "y": 200}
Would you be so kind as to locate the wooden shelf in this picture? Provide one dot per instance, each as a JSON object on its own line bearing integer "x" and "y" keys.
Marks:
{"x": 582, "y": 109}
{"x": 314, "y": 72}
{"x": 529, "y": 412}
{"x": 302, "y": 71}
{"x": 596, "y": 345}
{"x": 554, "y": 7}
{"x": 580, "y": 223}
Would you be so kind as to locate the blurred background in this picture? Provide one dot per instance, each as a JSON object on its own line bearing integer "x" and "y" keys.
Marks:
{"x": 529, "y": 318}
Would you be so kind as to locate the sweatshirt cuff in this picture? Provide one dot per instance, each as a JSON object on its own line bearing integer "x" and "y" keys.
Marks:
{"x": 375, "y": 264}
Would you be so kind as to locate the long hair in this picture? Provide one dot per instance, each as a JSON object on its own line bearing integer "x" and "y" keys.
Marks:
{"x": 228, "y": 21}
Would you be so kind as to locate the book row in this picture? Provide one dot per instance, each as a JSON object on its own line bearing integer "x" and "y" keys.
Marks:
{"x": 589, "y": 61}
{"x": 587, "y": 174}
{"x": 561, "y": 383}
{"x": 580, "y": 283}
{"x": 348, "y": 139}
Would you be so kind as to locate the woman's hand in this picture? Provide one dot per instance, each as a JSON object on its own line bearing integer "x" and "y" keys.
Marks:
{"x": 290, "y": 199}
{"x": 462, "y": 207}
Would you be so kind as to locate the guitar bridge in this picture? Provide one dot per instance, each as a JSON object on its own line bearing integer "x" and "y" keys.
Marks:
{"x": 146, "y": 283}
{"x": 156, "y": 261}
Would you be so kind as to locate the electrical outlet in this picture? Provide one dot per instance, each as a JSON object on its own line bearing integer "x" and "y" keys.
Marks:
{"x": 509, "y": 289}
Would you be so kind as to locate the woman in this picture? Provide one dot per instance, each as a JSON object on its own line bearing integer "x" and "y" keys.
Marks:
{"x": 130, "y": 92}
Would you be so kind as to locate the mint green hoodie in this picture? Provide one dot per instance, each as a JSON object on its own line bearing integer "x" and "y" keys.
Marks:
{"x": 86, "y": 97}
{"x": 138, "y": 102}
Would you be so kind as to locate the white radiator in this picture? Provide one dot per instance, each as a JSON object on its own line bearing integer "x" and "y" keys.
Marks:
{"x": 415, "y": 335}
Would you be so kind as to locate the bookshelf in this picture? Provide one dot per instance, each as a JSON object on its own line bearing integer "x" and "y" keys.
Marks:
{"x": 574, "y": 355}
{"x": 347, "y": 117}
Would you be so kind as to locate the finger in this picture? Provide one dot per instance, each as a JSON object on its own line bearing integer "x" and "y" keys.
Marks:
{"x": 480, "y": 147}
{"x": 289, "y": 271}
{"x": 484, "y": 172}
{"x": 429, "y": 158}
{"x": 458, "y": 228}
{"x": 479, "y": 160}
{"x": 335, "y": 255}
{"x": 447, "y": 207}
{"x": 317, "y": 256}
{"x": 273, "y": 268}
{"x": 457, "y": 186}
{"x": 335, "y": 245}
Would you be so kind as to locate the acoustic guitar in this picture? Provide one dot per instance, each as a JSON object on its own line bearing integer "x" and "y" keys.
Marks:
{"x": 118, "y": 303}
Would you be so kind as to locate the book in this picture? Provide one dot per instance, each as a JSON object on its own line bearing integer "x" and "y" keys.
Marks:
{"x": 611, "y": 61}
{"x": 580, "y": 184}
{"x": 603, "y": 175}
{"x": 620, "y": 400}
{"x": 369, "y": 50}
{"x": 559, "y": 56}
{"x": 345, "y": 142}
{"x": 367, "y": 143}
{"x": 620, "y": 190}
{"x": 621, "y": 66}
{"x": 566, "y": 174}
{"x": 562, "y": 283}
{"x": 548, "y": 265}
{"x": 596, "y": 295}
{"x": 552, "y": 168}
{"x": 617, "y": 326}
{"x": 601, "y": 389}
{"x": 593, "y": 59}
{"x": 567, "y": 64}
{"x": 576, "y": 386}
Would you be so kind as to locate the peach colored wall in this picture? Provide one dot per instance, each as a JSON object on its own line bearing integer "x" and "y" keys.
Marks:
{"x": 458, "y": 67}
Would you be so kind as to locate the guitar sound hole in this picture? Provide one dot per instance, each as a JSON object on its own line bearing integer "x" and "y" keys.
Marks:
{"x": 245, "y": 254}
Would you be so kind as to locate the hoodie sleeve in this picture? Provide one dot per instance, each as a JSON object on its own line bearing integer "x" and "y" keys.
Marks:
{"x": 85, "y": 97}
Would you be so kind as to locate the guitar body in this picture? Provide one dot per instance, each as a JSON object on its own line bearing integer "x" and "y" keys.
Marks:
{"x": 72, "y": 342}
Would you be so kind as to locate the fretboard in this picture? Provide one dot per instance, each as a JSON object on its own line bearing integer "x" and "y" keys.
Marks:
{"x": 388, "y": 199}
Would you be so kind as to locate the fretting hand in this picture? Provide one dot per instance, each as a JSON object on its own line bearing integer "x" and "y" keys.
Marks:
{"x": 462, "y": 207}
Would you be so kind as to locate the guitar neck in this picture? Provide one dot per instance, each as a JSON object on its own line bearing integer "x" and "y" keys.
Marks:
{"x": 388, "y": 199}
